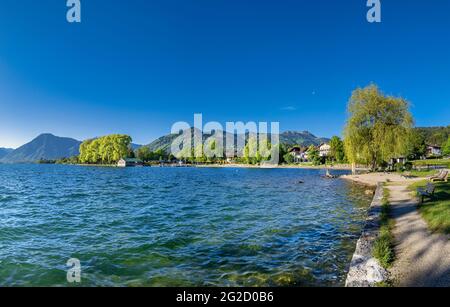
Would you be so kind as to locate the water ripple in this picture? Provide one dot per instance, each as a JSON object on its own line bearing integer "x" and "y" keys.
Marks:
{"x": 176, "y": 227}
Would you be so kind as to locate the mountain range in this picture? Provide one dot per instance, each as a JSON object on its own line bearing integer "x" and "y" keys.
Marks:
{"x": 288, "y": 138}
{"x": 50, "y": 147}
{"x": 4, "y": 152}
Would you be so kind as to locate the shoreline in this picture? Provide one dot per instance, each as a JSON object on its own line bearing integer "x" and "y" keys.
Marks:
{"x": 234, "y": 165}
{"x": 365, "y": 270}
{"x": 319, "y": 167}
{"x": 418, "y": 250}
{"x": 373, "y": 179}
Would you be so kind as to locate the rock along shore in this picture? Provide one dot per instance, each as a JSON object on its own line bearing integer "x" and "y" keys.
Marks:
{"x": 365, "y": 271}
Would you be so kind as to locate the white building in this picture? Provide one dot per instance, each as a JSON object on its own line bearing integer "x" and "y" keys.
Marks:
{"x": 324, "y": 150}
{"x": 299, "y": 154}
{"x": 434, "y": 150}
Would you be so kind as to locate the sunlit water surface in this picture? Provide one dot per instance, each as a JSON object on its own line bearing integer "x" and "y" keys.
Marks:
{"x": 176, "y": 226}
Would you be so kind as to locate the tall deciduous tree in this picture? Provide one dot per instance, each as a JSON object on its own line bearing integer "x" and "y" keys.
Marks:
{"x": 416, "y": 146}
{"x": 313, "y": 155}
{"x": 144, "y": 154}
{"x": 446, "y": 148}
{"x": 337, "y": 149}
{"x": 378, "y": 127}
{"x": 105, "y": 150}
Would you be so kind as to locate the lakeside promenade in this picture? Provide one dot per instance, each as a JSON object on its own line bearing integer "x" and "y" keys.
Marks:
{"x": 422, "y": 257}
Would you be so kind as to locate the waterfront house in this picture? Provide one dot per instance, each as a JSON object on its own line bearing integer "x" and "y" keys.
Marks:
{"x": 434, "y": 150}
{"x": 324, "y": 150}
{"x": 399, "y": 160}
{"x": 394, "y": 161}
{"x": 299, "y": 154}
{"x": 129, "y": 162}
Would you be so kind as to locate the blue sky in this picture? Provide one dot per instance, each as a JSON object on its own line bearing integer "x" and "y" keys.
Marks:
{"x": 138, "y": 66}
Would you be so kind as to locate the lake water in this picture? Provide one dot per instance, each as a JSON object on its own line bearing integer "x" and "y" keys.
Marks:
{"x": 176, "y": 226}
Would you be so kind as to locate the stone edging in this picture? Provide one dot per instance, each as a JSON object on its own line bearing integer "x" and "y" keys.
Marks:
{"x": 365, "y": 271}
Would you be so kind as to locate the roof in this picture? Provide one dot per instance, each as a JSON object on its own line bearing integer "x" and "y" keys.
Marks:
{"x": 295, "y": 149}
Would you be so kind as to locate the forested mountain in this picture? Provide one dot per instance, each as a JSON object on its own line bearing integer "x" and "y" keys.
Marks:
{"x": 289, "y": 138}
{"x": 434, "y": 135}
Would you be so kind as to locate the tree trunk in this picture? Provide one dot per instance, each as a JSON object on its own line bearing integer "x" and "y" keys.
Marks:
{"x": 374, "y": 165}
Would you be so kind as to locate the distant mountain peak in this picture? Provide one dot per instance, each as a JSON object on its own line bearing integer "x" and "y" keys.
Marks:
{"x": 45, "y": 146}
{"x": 46, "y": 135}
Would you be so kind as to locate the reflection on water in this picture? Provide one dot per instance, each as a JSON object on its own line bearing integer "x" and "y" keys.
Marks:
{"x": 176, "y": 226}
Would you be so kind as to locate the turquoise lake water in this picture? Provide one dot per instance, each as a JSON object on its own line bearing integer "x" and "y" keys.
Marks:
{"x": 176, "y": 226}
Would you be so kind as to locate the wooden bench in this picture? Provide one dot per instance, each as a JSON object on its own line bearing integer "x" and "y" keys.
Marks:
{"x": 427, "y": 192}
{"x": 442, "y": 176}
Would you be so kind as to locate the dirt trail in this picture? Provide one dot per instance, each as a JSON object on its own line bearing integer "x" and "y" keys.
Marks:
{"x": 423, "y": 258}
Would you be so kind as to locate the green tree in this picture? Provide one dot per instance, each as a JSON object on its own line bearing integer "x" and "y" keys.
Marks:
{"x": 314, "y": 155}
{"x": 213, "y": 151}
{"x": 144, "y": 154}
{"x": 377, "y": 128}
{"x": 288, "y": 158}
{"x": 200, "y": 156}
{"x": 160, "y": 155}
{"x": 264, "y": 150}
{"x": 446, "y": 148}
{"x": 282, "y": 154}
{"x": 337, "y": 151}
{"x": 105, "y": 150}
{"x": 416, "y": 146}
{"x": 250, "y": 150}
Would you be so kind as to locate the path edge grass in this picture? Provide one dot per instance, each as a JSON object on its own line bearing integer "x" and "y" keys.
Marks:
{"x": 383, "y": 248}
{"x": 435, "y": 212}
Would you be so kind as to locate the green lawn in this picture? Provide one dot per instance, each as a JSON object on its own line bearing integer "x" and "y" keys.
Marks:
{"x": 423, "y": 173}
{"x": 433, "y": 162}
{"x": 436, "y": 212}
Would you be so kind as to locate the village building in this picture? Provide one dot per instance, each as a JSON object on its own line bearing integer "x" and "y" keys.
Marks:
{"x": 299, "y": 154}
{"x": 434, "y": 150}
{"x": 324, "y": 150}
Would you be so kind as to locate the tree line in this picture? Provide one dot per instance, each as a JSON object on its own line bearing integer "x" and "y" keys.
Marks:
{"x": 379, "y": 127}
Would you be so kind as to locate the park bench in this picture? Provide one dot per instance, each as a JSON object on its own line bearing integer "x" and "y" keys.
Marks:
{"x": 442, "y": 176}
{"x": 426, "y": 192}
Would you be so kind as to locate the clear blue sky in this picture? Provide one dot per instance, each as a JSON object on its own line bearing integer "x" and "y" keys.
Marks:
{"x": 137, "y": 66}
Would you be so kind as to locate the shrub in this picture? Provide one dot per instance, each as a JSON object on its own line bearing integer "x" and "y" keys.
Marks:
{"x": 408, "y": 166}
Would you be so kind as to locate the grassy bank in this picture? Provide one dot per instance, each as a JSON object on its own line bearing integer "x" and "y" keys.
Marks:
{"x": 423, "y": 173}
{"x": 383, "y": 249}
{"x": 432, "y": 162}
{"x": 436, "y": 212}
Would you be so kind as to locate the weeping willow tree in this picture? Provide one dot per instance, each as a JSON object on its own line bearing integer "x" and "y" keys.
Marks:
{"x": 105, "y": 150}
{"x": 378, "y": 127}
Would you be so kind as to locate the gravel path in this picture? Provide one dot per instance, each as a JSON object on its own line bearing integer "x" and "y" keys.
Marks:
{"x": 423, "y": 258}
